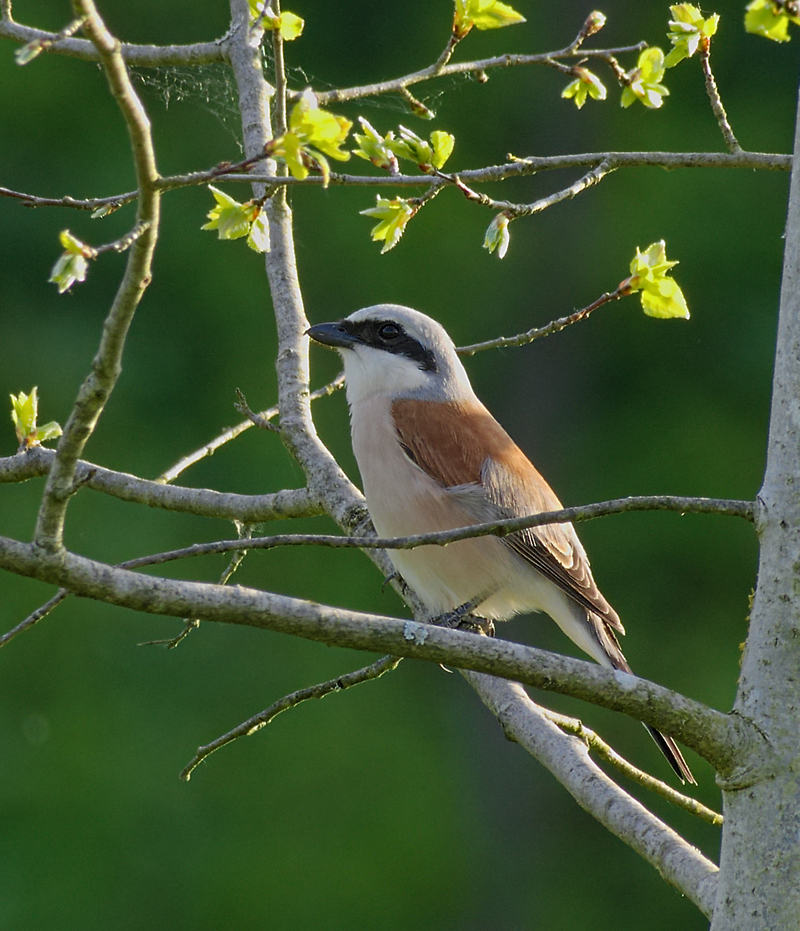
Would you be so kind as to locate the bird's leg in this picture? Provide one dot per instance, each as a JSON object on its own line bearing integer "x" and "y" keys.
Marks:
{"x": 395, "y": 577}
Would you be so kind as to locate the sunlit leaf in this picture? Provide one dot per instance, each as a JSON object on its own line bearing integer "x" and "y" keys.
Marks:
{"x": 659, "y": 293}
{"x": 24, "y": 413}
{"x": 497, "y": 236}
{"x": 393, "y": 216}
{"x": 483, "y": 14}
{"x": 644, "y": 80}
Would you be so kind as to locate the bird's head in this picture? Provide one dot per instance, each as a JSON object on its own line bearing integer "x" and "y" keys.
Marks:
{"x": 395, "y": 352}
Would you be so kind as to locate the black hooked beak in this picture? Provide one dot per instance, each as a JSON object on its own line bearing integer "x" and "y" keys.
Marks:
{"x": 336, "y": 335}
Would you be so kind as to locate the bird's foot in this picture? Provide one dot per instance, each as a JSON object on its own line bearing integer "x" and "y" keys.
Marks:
{"x": 462, "y": 618}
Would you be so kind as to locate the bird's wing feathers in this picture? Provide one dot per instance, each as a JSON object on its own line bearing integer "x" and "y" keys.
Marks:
{"x": 461, "y": 446}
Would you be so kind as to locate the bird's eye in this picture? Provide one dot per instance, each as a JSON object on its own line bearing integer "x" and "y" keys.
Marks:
{"x": 389, "y": 331}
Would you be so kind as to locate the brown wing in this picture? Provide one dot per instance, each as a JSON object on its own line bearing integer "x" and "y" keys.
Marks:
{"x": 460, "y": 443}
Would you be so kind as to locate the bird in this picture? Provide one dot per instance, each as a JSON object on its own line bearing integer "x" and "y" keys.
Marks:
{"x": 432, "y": 458}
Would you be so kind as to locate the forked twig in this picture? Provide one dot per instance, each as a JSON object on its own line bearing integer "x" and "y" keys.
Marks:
{"x": 367, "y": 673}
{"x": 609, "y": 754}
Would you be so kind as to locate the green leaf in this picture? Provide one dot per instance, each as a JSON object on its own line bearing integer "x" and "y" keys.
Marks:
{"x": 316, "y": 127}
{"x": 28, "y": 52}
{"x": 688, "y": 29}
{"x": 231, "y": 219}
{"x": 72, "y": 264}
{"x": 586, "y": 84}
{"x": 766, "y": 18}
{"x": 442, "y": 143}
{"x": 424, "y": 154}
{"x": 290, "y": 26}
{"x": 313, "y": 134}
{"x": 258, "y": 237}
{"x": 497, "y": 236}
{"x": 374, "y": 148}
{"x": 24, "y": 412}
{"x": 483, "y": 14}
{"x": 393, "y": 216}
{"x": 660, "y": 294}
{"x": 644, "y": 80}
{"x": 68, "y": 269}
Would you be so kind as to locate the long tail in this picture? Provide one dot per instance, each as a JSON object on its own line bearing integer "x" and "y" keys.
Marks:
{"x": 674, "y": 756}
{"x": 614, "y": 657}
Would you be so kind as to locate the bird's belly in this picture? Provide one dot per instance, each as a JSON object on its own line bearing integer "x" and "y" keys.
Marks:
{"x": 403, "y": 500}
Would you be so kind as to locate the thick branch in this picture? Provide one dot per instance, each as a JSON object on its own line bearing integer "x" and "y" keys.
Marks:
{"x": 524, "y": 722}
{"x": 143, "y": 56}
{"x": 201, "y": 501}
{"x": 721, "y": 739}
{"x": 325, "y": 477}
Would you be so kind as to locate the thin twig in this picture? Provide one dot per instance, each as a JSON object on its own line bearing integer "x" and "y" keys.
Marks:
{"x": 447, "y": 54}
{"x": 34, "y": 618}
{"x": 465, "y": 68}
{"x": 513, "y": 211}
{"x": 93, "y": 203}
{"x": 258, "y": 420}
{"x": 119, "y": 245}
{"x": 213, "y": 445}
{"x": 280, "y": 75}
{"x": 499, "y": 528}
{"x": 373, "y": 671}
{"x": 716, "y": 101}
{"x": 609, "y": 754}
{"x": 522, "y": 339}
{"x": 245, "y": 532}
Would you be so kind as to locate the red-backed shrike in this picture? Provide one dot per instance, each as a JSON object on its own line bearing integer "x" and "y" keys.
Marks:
{"x": 432, "y": 458}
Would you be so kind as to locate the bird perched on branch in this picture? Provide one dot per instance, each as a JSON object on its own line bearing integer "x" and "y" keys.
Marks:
{"x": 433, "y": 458}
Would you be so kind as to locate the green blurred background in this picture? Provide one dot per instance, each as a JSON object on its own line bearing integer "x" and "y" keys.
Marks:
{"x": 398, "y": 805}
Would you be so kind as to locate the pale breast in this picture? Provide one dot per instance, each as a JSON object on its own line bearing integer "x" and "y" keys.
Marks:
{"x": 404, "y": 500}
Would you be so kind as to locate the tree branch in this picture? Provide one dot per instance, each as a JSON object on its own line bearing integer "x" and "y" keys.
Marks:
{"x": 142, "y": 56}
{"x": 213, "y": 445}
{"x": 499, "y": 528}
{"x": 106, "y": 366}
{"x": 204, "y": 502}
{"x": 760, "y": 161}
{"x": 252, "y": 725}
{"x": 726, "y": 741}
{"x": 607, "y": 753}
{"x": 680, "y": 864}
{"x": 436, "y": 70}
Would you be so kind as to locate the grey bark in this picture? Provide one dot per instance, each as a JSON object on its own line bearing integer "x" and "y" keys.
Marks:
{"x": 759, "y": 888}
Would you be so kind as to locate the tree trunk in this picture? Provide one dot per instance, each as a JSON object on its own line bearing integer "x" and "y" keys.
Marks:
{"x": 759, "y": 887}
